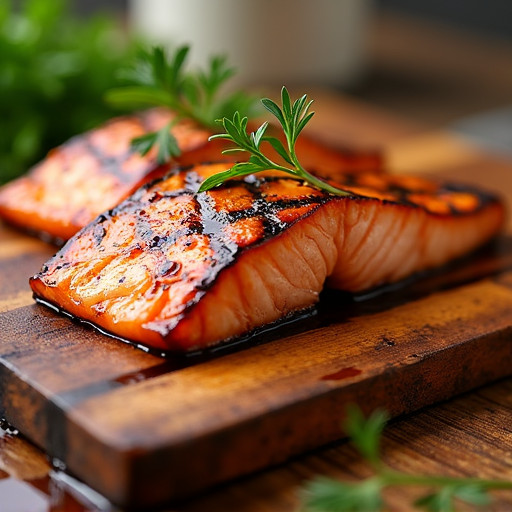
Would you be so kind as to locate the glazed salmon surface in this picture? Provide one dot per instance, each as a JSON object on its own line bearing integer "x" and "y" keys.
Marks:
{"x": 89, "y": 174}
{"x": 95, "y": 171}
{"x": 179, "y": 270}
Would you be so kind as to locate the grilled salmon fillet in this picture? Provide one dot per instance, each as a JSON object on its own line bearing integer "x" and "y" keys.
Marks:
{"x": 177, "y": 270}
{"x": 95, "y": 171}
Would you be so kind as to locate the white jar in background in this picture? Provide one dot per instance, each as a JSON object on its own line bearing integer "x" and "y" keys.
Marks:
{"x": 270, "y": 42}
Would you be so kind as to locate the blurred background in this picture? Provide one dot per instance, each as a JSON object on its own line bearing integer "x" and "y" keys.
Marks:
{"x": 442, "y": 64}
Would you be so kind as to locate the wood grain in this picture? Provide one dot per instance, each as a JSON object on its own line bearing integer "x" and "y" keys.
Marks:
{"x": 465, "y": 437}
{"x": 192, "y": 424}
{"x": 142, "y": 429}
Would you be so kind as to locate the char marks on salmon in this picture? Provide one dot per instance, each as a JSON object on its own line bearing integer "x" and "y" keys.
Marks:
{"x": 89, "y": 174}
{"x": 177, "y": 270}
{"x": 93, "y": 172}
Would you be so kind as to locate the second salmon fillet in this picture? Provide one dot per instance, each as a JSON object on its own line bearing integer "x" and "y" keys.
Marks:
{"x": 176, "y": 270}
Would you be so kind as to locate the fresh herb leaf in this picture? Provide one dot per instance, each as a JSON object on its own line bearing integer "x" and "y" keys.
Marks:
{"x": 292, "y": 117}
{"x": 328, "y": 495}
{"x": 157, "y": 79}
{"x": 444, "y": 499}
{"x": 441, "y": 501}
{"x": 162, "y": 139}
{"x": 365, "y": 433}
{"x": 473, "y": 494}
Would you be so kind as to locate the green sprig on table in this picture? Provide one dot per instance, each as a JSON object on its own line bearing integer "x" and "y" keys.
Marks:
{"x": 329, "y": 495}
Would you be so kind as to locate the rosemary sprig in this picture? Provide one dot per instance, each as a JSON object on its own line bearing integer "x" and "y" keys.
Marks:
{"x": 163, "y": 140}
{"x": 293, "y": 117}
{"x": 328, "y": 495}
{"x": 157, "y": 79}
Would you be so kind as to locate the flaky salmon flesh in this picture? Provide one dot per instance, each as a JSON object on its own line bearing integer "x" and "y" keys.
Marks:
{"x": 95, "y": 171}
{"x": 174, "y": 269}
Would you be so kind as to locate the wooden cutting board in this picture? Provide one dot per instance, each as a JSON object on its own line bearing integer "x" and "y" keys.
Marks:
{"x": 142, "y": 429}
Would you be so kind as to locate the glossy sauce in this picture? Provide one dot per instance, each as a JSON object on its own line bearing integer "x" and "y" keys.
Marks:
{"x": 49, "y": 489}
{"x": 154, "y": 269}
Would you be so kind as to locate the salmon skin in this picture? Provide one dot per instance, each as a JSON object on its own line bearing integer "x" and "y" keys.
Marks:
{"x": 179, "y": 270}
{"x": 95, "y": 171}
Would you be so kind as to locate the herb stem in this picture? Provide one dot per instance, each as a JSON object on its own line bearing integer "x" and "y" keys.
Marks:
{"x": 390, "y": 478}
{"x": 322, "y": 185}
{"x": 293, "y": 117}
{"x": 310, "y": 178}
{"x": 329, "y": 495}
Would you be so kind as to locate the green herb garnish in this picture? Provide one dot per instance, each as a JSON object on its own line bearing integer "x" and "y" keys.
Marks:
{"x": 159, "y": 80}
{"x": 328, "y": 495}
{"x": 293, "y": 118}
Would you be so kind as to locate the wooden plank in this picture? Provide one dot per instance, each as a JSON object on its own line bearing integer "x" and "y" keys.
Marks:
{"x": 289, "y": 396}
{"x": 187, "y": 425}
{"x": 466, "y": 437}
{"x": 142, "y": 429}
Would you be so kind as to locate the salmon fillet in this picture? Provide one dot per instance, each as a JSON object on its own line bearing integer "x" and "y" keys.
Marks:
{"x": 95, "y": 171}
{"x": 176, "y": 270}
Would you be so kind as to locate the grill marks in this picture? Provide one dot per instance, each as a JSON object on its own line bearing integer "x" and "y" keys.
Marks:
{"x": 94, "y": 171}
{"x": 159, "y": 266}
{"x": 89, "y": 174}
{"x": 150, "y": 259}
{"x": 435, "y": 197}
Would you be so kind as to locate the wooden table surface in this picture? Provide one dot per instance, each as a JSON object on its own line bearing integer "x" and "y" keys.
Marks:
{"x": 468, "y": 435}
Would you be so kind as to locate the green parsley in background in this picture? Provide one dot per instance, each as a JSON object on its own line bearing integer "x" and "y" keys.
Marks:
{"x": 54, "y": 71}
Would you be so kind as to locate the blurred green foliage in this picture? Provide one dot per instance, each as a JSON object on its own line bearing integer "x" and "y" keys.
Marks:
{"x": 54, "y": 71}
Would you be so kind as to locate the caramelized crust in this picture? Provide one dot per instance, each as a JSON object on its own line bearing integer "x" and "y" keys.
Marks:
{"x": 178, "y": 270}
{"x": 89, "y": 174}
{"x": 95, "y": 171}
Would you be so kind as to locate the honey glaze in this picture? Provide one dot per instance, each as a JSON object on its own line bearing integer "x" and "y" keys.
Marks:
{"x": 334, "y": 307}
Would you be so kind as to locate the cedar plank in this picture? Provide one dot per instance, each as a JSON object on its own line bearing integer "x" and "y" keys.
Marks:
{"x": 198, "y": 426}
{"x": 143, "y": 453}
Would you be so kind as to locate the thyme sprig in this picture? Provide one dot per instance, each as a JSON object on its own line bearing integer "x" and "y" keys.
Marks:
{"x": 292, "y": 117}
{"x": 329, "y": 495}
{"x": 159, "y": 79}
